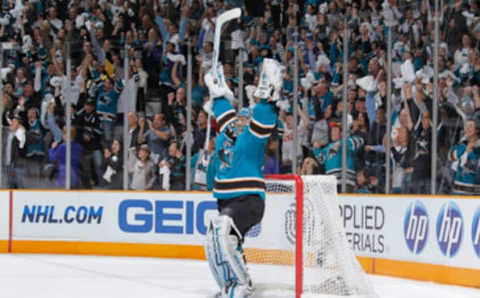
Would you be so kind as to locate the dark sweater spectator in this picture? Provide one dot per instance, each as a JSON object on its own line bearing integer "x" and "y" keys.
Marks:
{"x": 176, "y": 162}
{"x": 112, "y": 167}
{"x": 272, "y": 164}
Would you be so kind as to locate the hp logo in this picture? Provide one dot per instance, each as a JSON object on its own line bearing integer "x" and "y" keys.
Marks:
{"x": 415, "y": 227}
{"x": 449, "y": 229}
{"x": 476, "y": 232}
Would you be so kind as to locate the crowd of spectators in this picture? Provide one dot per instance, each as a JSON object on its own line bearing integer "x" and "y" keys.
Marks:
{"x": 97, "y": 35}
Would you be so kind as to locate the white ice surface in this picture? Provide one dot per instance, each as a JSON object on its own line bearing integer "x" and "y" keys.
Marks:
{"x": 51, "y": 276}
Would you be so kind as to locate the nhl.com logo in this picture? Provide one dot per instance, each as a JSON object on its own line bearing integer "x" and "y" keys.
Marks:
{"x": 449, "y": 229}
{"x": 476, "y": 232}
{"x": 415, "y": 227}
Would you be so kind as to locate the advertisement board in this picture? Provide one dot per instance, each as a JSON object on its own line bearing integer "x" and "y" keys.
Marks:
{"x": 442, "y": 231}
{"x": 168, "y": 218}
{"x": 433, "y": 238}
{"x": 173, "y": 218}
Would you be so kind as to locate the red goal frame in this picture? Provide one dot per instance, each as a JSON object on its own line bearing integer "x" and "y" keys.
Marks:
{"x": 298, "y": 228}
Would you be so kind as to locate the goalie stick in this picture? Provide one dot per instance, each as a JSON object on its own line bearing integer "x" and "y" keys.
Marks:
{"x": 219, "y": 22}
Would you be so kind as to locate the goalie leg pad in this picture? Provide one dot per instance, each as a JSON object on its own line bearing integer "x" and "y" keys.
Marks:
{"x": 226, "y": 259}
{"x": 218, "y": 270}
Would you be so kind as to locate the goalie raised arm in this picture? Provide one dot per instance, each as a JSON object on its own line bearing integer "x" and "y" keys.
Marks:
{"x": 239, "y": 184}
{"x": 242, "y": 149}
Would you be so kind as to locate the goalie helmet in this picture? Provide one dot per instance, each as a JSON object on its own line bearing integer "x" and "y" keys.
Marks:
{"x": 216, "y": 84}
{"x": 232, "y": 131}
{"x": 271, "y": 80}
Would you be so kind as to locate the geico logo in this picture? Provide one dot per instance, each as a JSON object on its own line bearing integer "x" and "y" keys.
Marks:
{"x": 71, "y": 214}
{"x": 416, "y": 227}
{"x": 476, "y": 232}
{"x": 164, "y": 217}
{"x": 449, "y": 229}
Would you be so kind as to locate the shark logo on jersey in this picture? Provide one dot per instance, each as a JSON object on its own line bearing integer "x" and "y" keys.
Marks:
{"x": 476, "y": 232}
{"x": 415, "y": 227}
{"x": 225, "y": 155}
{"x": 449, "y": 229}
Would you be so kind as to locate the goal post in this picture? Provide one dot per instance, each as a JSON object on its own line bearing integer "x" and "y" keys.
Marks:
{"x": 302, "y": 250}
{"x": 297, "y": 180}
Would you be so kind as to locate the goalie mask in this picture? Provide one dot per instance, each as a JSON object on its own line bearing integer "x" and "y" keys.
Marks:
{"x": 235, "y": 128}
{"x": 232, "y": 131}
{"x": 271, "y": 80}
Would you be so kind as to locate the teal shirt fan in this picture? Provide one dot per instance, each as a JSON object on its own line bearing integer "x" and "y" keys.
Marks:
{"x": 331, "y": 156}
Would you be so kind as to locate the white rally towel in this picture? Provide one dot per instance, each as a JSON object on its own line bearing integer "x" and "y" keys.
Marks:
{"x": 407, "y": 71}
{"x": 367, "y": 83}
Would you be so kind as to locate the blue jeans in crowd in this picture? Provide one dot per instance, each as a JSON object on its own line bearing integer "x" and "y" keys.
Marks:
{"x": 15, "y": 177}
{"x": 107, "y": 128}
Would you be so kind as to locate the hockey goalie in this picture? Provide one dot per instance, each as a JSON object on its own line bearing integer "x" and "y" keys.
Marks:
{"x": 239, "y": 184}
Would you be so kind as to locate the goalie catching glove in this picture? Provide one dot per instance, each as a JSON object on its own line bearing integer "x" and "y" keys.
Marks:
{"x": 271, "y": 80}
{"x": 217, "y": 86}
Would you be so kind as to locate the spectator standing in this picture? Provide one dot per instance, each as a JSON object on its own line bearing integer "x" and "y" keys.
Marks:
{"x": 157, "y": 136}
{"x": 331, "y": 155}
{"x": 402, "y": 154}
{"x": 113, "y": 166}
{"x": 374, "y": 151}
{"x": 108, "y": 92}
{"x": 90, "y": 133}
{"x": 200, "y": 131}
{"x": 152, "y": 61}
{"x": 58, "y": 154}
{"x": 175, "y": 111}
{"x": 272, "y": 164}
{"x": 15, "y": 161}
{"x": 321, "y": 128}
{"x": 133, "y": 130}
{"x": 203, "y": 165}
{"x": 176, "y": 163}
{"x": 422, "y": 159}
{"x": 288, "y": 142}
{"x": 466, "y": 156}
{"x": 35, "y": 153}
{"x": 141, "y": 168}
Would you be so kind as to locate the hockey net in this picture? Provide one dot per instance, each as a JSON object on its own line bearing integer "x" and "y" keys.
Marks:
{"x": 301, "y": 244}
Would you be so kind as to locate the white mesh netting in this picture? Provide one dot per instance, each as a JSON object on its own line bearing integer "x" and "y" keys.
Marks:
{"x": 330, "y": 268}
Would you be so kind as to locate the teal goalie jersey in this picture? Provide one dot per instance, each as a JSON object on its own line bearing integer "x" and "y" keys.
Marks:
{"x": 239, "y": 171}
